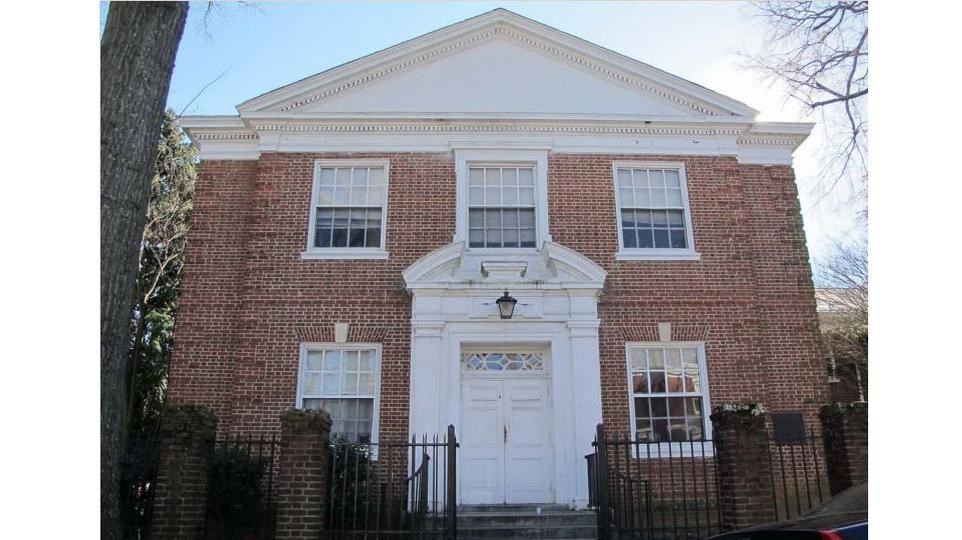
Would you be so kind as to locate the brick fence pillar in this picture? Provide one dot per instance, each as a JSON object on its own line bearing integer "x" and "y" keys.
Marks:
{"x": 744, "y": 469}
{"x": 180, "y": 501}
{"x": 845, "y": 429}
{"x": 302, "y": 479}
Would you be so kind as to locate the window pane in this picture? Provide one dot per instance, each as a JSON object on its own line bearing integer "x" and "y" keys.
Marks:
{"x": 657, "y": 381}
{"x": 678, "y": 239}
{"x": 628, "y": 218}
{"x": 675, "y": 382}
{"x": 642, "y": 197}
{"x": 638, "y": 360}
{"x": 643, "y": 218}
{"x": 674, "y": 197}
{"x": 642, "y": 410}
{"x": 325, "y": 195}
{"x": 342, "y": 195}
{"x": 657, "y": 358}
{"x": 675, "y": 219}
{"x": 325, "y": 217}
{"x": 492, "y": 238}
{"x": 360, "y": 176}
{"x": 476, "y": 238}
{"x": 492, "y": 196}
{"x": 660, "y": 430}
{"x": 624, "y": 178}
{"x": 350, "y": 360}
{"x": 359, "y": 196}
{"x": 630, "y": 238}
{"x": 475, "y": 218}
{"x": 476, "y": 176}
{"x": 332, "y": 361}
{"x": 658, "y": 407}
{"x": 312, "y": 383}
{"x": 627, "y": 197}
{"x": 672, "y": 179}
{"x": 645, "y": 238}
{"x": 641, "y": 177}
{"x": 510, "y": 196}
{"x": 526, "y": 218}
{"x": 693, "y": 406}
{"x": 322, "y": 238}
{"x": 365, "y": 384}
{"x": 477, "y": 196}
{"x": 643, "y": 429}
{"x": 343, "y": 176}
{"x": 676, "y": 406}
{"x": 526, "y": 177}
{"x": 639, "y": 383}
{"x": 679, "y": 431}
{"x": 375, "y": 195}
{"x": 510, "y": 238}
{"x": 657, "y": 198}
{"x": 527, "y": 238}
{"x": 657, "y": 179}
{"x": 510, "y": 218}
{"x": 375, "y": 177}
{"x": 510, "y": 177}
{"x": 332, "y": 383}
{"x": 661, "y": 238}
{"x": 349, "y": 383}
{"x": 527, "y": 195}
{"x": 327, "y": 177}
{"x": 314, "y": 361}
{"x": 492, "y": 219}
{"x": 492, "y": 176}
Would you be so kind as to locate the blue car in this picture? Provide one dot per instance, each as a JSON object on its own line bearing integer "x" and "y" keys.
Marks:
{"x": 843, "y": 517}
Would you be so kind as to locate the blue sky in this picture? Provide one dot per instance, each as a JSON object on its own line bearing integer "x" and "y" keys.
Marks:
{"x": 256, "y": 48}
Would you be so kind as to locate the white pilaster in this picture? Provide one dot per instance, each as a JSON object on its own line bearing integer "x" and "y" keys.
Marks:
{"x": 586, "y": 390}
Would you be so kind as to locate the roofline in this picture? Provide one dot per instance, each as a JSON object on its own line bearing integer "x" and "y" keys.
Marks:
{"x": 696, "y": 91}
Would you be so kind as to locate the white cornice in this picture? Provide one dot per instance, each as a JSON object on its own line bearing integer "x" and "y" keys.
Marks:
{"x": 239, "y": 138}
{"x": 499, "y": 24}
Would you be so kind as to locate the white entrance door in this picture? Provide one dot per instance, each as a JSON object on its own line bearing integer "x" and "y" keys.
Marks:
{"x": 506, "y": 440}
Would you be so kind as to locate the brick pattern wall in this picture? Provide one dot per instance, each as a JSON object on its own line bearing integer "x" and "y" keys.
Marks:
{"x": 249, "y": 299}
{"x": 744, "y": 470}
{"x": 180, "y": 502}
{"x": 845, "y": 428}
{"x": 302, "y": 480}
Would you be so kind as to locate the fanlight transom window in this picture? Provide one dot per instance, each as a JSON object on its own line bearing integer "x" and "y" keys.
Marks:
{"x": 476, "y": 361}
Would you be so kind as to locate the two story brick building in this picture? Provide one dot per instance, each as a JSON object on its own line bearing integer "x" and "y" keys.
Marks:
{"x": 353, "y": 232}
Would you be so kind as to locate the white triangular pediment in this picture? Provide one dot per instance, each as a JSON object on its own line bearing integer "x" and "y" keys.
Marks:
{"x": 497, "y": 76}
{"x": 498, "y": 63}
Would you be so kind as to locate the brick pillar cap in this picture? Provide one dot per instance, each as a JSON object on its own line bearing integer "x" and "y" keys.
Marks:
{"x": 306, "y": 420}
{"x": 189, "y": 418}
{"x": 837, "y": 408}
{"x": 751, "y": 417}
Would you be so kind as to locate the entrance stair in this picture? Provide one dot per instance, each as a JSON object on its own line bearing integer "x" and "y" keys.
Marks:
{"x": 525, "y": 521}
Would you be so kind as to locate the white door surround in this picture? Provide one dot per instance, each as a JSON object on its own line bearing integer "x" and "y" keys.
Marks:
{"x": 506, "y": 452}
{"x": 453, "y": 309}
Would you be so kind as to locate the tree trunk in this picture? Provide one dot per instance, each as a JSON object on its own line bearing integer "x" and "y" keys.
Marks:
{"x": 137, "y": 53}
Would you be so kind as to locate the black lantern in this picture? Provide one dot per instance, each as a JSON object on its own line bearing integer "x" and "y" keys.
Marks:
{"x": 506, "y": 305}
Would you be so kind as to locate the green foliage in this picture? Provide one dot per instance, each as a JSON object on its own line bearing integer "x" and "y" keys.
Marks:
{"x": 350, "y": 466}
{"x": 158, "y": 283}
{"x": 236, "y": 495}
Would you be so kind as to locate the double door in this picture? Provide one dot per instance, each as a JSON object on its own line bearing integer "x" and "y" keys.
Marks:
{"x": 506, "y": 452}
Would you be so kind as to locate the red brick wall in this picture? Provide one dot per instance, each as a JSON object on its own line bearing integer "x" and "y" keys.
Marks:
{"x": 249, "y": 299}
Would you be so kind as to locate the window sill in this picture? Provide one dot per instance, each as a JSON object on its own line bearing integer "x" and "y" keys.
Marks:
{"x": 344, "y": 253}
{"x": 658, "y": 255}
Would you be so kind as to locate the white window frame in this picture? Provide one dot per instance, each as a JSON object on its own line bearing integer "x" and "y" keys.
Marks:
{"x": 347, "y": 252}
{"x": 672, "y": 449}
{"x": 466, "y": 158}
{"x": 306, "y": 347}
{"x": 655, "y": 254}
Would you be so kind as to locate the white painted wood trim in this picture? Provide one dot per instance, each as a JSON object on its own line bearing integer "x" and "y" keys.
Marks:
{"x": 315, "y": 253}
{"x": 306, "y": 346}
{"x": 465, "y": 157}
{"x": 655, "y": 254}
{"x": 671, "y": 449}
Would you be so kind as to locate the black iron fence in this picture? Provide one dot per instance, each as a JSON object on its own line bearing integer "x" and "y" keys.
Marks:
{"x": 651, "y": 490}
{"x": 669, "y": 490}
{"x": 393, "y": 489}
{"x": 799, "y": 481}
{"x": 241, "y": 489}
{"x": 138, "y": 475}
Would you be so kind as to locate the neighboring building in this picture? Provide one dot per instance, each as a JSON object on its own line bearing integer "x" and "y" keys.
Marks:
{"x": 352, "y": 232}
{"x": 844, "y": 342}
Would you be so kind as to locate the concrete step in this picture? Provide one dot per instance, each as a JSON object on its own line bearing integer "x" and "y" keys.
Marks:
{"x": 526, "y": 519}
{"x": 475, "y": 508}
{"x": 528, "y": 532}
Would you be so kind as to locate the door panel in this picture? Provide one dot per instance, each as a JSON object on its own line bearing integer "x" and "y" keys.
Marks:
{"x": 482, "y": 445}
{"x": 506, "y": 441}
{"x": 528, "y": 458}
